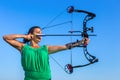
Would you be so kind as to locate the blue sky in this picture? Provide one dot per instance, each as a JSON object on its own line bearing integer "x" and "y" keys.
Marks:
{"x": 17, "y": 16}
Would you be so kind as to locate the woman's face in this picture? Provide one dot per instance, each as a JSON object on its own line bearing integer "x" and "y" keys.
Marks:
{"x": 37, "y": 31}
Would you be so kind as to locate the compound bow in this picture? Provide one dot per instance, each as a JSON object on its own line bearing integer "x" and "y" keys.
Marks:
{"x": 91, "y": 59}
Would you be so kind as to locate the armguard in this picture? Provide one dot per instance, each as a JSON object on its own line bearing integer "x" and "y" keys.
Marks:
{"x": 74, "y": 44}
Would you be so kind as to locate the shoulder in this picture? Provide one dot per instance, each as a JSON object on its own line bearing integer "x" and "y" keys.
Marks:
{"x": 24, "y": 47}
{"x": 44, "y": 47}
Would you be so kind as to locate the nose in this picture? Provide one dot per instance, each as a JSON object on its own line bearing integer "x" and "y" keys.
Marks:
{"x": 39, "y": 36}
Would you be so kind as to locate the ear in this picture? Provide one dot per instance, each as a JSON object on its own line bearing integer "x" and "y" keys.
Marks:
{"x": 31, "y": 35}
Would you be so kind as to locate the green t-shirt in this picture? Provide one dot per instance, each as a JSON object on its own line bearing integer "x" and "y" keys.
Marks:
{"x": 35, "y": 62}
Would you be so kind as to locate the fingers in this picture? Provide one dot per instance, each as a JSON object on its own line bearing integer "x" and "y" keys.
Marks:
{"x": 86, "y": 41}
{"x": 29, "y": 37}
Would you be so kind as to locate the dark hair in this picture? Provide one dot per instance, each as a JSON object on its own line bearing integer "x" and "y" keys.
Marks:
{"x": 31, "y": 30}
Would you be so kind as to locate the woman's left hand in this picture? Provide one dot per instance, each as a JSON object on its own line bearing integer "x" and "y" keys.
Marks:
{"x": 85, "y": 41}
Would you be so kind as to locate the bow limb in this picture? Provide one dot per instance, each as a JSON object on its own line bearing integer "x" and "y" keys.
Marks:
{"x": 91, "y": 59}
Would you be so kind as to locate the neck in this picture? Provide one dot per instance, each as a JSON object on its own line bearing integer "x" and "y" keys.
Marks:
{"x": 34, "y": 45}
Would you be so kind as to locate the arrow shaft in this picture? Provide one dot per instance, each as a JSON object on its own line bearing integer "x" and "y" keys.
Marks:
{"x": 64, "y": 35}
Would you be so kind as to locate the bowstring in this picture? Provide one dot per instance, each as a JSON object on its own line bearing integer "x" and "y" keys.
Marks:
{"x": 56, "y": 25}
{"x": 71, "y": 38}
{"x": 45, "y": 27}
{"x": 57, "y": 62}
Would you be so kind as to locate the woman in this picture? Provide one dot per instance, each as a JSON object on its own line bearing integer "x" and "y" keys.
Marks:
{"x": 34, "y": 58}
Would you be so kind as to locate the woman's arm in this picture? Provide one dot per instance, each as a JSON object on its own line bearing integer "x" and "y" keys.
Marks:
{"x": 53, "y": 49}
{"x": 11, "y": 39}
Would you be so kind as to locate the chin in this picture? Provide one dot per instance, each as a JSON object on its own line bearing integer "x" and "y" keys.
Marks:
{"x": 39, "y": 40}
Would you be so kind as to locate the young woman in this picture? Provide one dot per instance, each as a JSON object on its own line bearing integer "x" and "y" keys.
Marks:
{"x": 34, "y": 57}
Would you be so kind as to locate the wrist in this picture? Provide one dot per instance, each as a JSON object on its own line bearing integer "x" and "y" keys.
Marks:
{"x": 24, "y": 36}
